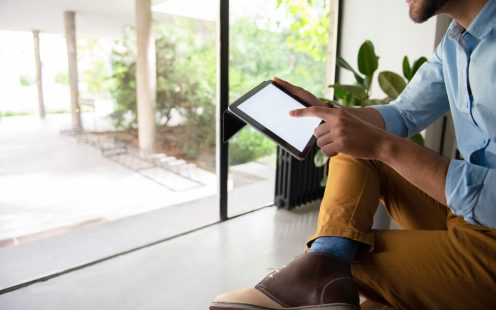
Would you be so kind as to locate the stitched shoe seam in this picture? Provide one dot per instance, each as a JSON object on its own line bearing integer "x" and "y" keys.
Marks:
{"x": 328, "y": 284}
{"x": 263, "y": 290}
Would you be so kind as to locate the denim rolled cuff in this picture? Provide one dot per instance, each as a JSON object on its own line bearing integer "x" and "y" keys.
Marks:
{"x": 393, "y": 121}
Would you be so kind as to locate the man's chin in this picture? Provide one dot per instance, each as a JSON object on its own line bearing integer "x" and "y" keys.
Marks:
{"x": 417, "y": 18}
{"x": 421, "y": 11}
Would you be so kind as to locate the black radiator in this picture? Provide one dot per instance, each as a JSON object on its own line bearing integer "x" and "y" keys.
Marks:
{"x": 297, "y": 182}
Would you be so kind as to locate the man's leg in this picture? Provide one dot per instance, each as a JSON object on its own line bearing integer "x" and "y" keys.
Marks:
{"x": 437, "y": 262}
{"x": 429, "y": 269}
{"x": 320, "y": 281}
{"x": 352, "y": 194}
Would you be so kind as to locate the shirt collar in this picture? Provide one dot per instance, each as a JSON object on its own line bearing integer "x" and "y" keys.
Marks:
{"x": 483, "y": 23}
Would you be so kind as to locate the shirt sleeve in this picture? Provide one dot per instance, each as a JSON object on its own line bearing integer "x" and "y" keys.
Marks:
{"x": 470, "y": 192}
{"x": 422, "y": 102}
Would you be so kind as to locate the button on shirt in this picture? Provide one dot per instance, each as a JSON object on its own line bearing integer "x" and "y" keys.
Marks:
{"x": 461, "y": 79}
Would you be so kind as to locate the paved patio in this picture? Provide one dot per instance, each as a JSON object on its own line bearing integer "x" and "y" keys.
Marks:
{"x": 50, "y": 183}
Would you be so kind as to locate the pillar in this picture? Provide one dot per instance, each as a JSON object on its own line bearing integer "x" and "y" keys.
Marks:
{"x": 332, "y": 43}
{"x": 145, "y": 76}
{"x": 70, "y": 37}
{"x": 39, "y": 80}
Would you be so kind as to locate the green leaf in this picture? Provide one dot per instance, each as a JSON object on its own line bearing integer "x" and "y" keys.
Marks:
{"x": 376, "y": 101}
{"x": 407, "y": 71}
{"x": 320, "y": 159}
{"x": 367, "y": 82}
{"x": 391, "y": 83}
{"x": 356, "y": 91}
{"x": 323, "y": 182}
{"x": 418, "y": 138}
{"x": 341, "y": 62}
{"x": 417, "y": 65}
{"x": 368, "y": 62}
{"x": 339, "y": 93}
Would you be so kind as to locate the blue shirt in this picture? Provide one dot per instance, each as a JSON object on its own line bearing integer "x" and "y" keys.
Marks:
{"x": 461, "y": 79}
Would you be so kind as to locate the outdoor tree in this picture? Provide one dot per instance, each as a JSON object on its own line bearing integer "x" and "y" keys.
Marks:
{"x": 186, "y": 73}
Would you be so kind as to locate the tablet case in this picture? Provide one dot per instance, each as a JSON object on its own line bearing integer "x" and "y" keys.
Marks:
{"x": 231, "y": 125}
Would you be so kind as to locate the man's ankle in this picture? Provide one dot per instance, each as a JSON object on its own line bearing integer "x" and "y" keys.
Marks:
{"x": 343, "y": 248}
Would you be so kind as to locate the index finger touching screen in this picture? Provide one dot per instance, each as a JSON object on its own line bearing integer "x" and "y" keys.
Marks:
{"x": 267, "y": 109}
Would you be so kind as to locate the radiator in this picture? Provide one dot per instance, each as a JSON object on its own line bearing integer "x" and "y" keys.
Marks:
{"x": 297, "y": 182}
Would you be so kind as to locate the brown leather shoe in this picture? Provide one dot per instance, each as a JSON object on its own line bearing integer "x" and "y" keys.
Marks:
{"x": 311, "y": 281}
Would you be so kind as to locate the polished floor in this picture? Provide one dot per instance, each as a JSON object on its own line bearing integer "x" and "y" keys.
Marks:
{"x": 183, "y": 273}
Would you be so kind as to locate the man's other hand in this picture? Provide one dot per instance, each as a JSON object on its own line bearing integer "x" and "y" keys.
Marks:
{"x": 299, "y": 92}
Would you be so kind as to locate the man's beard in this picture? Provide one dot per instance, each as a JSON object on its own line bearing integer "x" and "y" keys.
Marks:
{"x": 422, "y": 10}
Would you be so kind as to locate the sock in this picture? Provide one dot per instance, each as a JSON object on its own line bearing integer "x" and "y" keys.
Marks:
{"x": 343, "y": 248}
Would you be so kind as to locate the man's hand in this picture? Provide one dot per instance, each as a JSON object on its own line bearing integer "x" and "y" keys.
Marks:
{"x": 299, "y": 92}
{"x": 353, "y": 132}
{"x": 359, "y": 132}
{"x": 344, "y": 133}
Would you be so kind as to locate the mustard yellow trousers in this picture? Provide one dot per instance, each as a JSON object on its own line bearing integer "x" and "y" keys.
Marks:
{"x": 435, "y": 261}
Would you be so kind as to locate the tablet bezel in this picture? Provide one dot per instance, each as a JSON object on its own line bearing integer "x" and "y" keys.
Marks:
{"x": 233, "y": 108}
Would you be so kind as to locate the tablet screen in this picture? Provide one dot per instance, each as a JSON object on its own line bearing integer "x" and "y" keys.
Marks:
{"x": 270, "y": 107}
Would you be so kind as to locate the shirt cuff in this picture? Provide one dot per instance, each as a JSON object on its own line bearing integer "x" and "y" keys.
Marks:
{"x": 393, "y": 121}
{"x": 464, "y": 182}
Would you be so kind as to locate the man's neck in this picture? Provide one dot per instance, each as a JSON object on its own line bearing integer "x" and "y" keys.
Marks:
{"x": 464, "y": 11}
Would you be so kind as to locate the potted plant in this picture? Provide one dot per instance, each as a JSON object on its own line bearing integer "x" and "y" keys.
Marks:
{"x": 358, "y": 94}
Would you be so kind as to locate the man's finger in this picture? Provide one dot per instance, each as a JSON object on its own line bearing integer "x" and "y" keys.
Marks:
{"x": 320, "y": 112}
{"x": 322, "y": 130}
{"x": 286, "y": 85}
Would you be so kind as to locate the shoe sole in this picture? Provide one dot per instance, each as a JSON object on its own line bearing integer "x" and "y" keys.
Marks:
{"x": 236, "y": 306}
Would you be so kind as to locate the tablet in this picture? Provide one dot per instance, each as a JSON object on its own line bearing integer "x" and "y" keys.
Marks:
{"x": 266, "y": 108}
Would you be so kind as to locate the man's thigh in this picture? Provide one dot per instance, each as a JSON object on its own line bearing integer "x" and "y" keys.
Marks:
{"x": 408, "y": 206}
{"x": 431, "y": 269}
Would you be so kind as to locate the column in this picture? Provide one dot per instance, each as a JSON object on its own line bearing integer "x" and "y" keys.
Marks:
{"x": 145, "y": 76}
{"x": 70, "y": 37}
{"x": 39, "y": 80}
{"x": 332, "y": 42}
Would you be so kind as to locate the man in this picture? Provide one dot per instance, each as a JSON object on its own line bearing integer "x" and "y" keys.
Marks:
{"x": 444, "y": 256}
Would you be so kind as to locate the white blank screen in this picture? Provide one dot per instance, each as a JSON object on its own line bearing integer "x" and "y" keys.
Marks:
{"x": 270, "y": 107}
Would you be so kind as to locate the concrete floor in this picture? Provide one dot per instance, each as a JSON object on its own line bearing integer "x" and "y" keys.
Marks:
{"x": 182, "y": 273}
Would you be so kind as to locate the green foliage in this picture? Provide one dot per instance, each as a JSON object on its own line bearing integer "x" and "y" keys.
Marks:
{"x": 186, "y": 73}
{"x": 320, "y": 159}
{"x": 368, "y": 61}
{"x": 249, "y": 145}
{"x": 94, "y": 70}
{"x": 62, "y": 78}
{"x": 96, "y": 77}
{"x": 358, "y": 94}
{"x": 258, "y": 54}
{"x": 14, "y": 113}
{"x": 409, "y": 71}
{"x": 309, "y": 26}
{"x": 26, "y": 80}
{"x": 296, "y": 54}
{"x": 123, "y": 81}
{"x": 391, "y": 83}
{"x": 185, "y": 82}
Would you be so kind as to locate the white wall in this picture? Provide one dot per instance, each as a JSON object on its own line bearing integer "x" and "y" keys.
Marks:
{"x": 387, "y": 24}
